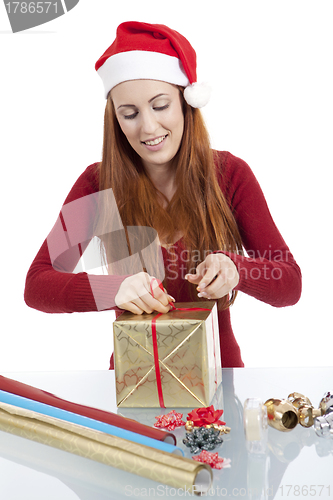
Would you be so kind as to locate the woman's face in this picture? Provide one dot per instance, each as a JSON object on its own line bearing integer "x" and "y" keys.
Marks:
{"x": 150, "y": 115}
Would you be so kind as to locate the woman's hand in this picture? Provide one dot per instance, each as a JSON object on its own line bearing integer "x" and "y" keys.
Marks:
{"x": 216, "y": 276}
{"x": 135, "y": 295}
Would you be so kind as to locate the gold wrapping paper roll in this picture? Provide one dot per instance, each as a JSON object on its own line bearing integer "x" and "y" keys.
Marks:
{"x": 170, "y": 469}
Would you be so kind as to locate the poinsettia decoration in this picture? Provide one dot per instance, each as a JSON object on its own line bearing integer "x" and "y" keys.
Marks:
{"x": 205, "y": 416}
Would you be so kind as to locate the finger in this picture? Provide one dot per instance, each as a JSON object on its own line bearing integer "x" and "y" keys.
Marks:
{"x": 149, "y": 303}
{"x": 196, "y": 277}
{"x": 205, "y": 273}
{"x": 219, "y": 288}
{"x": 193, "y": 278}
{"x": 224, "y": 283}
{"x": 170, "y": 297}
{"x": 160, "y": 295}
{"x": 225, "y": 289}
{"x": 143, "y": 304}
{"x": 208, "y": 277}
{"x": 131, "y": 307}
{"x": 212, "y": 289}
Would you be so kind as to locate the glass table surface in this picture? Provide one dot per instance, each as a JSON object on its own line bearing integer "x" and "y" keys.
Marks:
{"x": 296, "y": 464}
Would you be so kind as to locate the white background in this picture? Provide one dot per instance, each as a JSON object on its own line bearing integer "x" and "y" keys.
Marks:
{"x": 270, "y": 66}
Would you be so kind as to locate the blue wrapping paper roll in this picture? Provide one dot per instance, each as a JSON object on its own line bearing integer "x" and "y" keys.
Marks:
{"x": 51, "y": 411}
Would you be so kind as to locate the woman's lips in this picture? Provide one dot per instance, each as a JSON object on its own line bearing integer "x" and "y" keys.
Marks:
{"x": 155, "y": 144}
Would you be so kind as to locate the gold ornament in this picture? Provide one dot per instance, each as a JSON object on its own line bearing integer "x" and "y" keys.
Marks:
{"x": 281, "y": 414}
{"x": 189, "y": 427}
{"x": 305, "y": 410}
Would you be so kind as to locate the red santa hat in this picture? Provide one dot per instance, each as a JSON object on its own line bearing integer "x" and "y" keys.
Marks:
{"x": 143, "y": 51}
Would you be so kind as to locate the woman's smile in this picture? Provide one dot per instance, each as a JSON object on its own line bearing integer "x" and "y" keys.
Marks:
{"x": 155, "y": 144}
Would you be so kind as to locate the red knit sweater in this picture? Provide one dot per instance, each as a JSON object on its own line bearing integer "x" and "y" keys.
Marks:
{"x": 268, "y": 272}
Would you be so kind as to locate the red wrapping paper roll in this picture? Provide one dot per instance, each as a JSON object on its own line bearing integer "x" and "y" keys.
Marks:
{"x": 27, "y": 391}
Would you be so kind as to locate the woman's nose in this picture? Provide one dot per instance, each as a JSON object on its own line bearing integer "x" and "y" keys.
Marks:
{"x": 148, "y": 122}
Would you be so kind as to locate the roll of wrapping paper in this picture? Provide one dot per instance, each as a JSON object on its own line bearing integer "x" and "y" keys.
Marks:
{"x": 51, "y": 411}
{"x": 77, "y": 473}
{"x": 27, "y": 391}
{"x": 166, "y": 468}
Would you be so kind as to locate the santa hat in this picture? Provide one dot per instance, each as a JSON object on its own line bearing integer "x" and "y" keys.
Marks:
{"x": 144, "y": 51}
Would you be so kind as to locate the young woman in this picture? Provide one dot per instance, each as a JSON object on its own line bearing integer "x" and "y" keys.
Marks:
{"x": 206, "y": 206}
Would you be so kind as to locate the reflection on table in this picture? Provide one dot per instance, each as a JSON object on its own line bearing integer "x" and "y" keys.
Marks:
{"x": 251, "y": 476}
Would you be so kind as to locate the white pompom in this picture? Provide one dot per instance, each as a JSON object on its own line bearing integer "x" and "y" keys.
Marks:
{"x": 197, "y": 95}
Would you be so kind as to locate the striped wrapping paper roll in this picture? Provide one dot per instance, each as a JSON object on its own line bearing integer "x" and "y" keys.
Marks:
{"x": 51, "y": 411}
{"x": 170, "y": 469}
{"x": 29, "y": 392}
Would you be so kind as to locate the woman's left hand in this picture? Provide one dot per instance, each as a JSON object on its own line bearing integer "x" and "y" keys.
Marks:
{"x": 216, "y": 276}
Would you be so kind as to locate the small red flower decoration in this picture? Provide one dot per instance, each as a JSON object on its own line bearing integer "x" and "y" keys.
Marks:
{"x": 205, "y": 416}
{"x": 212, "y": 459}
{"x": 170, "y": 421}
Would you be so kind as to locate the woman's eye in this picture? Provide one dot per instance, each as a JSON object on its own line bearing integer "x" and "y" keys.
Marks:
{"x": 130, "y": 117}
{"x": 160, "y": 108}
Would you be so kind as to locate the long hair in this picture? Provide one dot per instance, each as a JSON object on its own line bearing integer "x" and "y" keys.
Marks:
{"x": 198, "y": 209}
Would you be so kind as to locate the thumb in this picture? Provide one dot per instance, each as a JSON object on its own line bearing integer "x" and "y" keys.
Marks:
{"x": 193, "y": 278}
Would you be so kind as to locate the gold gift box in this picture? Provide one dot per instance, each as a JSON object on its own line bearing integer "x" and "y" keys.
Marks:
{"x": 188, "y": 352}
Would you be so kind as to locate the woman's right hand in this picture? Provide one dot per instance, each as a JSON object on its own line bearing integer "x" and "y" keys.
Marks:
{"x": 135, "y": 295}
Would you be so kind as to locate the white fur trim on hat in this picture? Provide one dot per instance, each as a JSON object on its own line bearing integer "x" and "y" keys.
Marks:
{"x": 197, "y": 95}
{"x": 141, "y": 65}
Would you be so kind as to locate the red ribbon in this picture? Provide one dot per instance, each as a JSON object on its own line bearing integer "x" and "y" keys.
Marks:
{"x": 155, "y": 346}
{"x": 156, "y": 361}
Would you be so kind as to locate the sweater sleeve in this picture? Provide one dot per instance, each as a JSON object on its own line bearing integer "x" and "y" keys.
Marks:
{"x": 51, "y": 286}
{"x": 268, "y": 271}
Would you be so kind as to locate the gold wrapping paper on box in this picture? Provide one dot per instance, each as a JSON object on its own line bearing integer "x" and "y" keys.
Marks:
{"x": 188, "y": 352}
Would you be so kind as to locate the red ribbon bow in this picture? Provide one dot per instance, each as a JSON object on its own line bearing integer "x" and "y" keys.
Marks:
{"x": 205, "y": 416}
{"x": 212, "y": 459}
